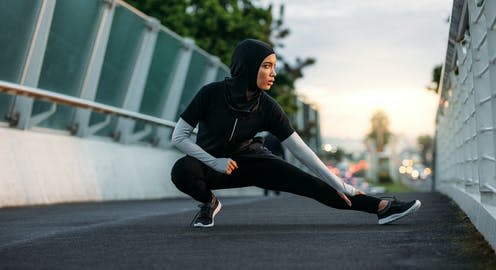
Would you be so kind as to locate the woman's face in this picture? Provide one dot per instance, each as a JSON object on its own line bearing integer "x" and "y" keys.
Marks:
{"x": 267, "y": 72}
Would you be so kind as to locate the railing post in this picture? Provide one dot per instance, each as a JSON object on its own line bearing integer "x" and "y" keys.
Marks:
{"x": 136, "y": 86}
{"x": 485, "y": 128}
{"x": 312, "y": 141}
{"x": 90, "y": 82}
{"x": 475, "y": 95}
{"x": 488, "y": 189}
{"x": 462, "y": 87}
{"x": 20, "y": 112}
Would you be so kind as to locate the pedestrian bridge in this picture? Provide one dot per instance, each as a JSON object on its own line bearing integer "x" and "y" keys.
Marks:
{"x": 88, "y": 103}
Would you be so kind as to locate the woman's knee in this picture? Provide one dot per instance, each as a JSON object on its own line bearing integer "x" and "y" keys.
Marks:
{"x": 184, "y": 171}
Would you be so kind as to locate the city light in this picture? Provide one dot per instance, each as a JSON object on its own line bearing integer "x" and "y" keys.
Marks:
{"x": 414, "y": 171}
{"x": 407, "y": 162}
{"x": 327, "y": 147}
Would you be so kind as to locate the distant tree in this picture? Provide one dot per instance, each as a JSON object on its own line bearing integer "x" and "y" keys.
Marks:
{"x": 283, "y": 90}
{"x": 436, "y": 73}
{"x": 218, "y": 25}
{"x": 215, "y": 25}
{"x": 308, "y": 131}
{"x": 436, "y": 79}
{"x": 426, "y": 145}
{"x": 288, "y": 73}
{"x": 379, "y": 133}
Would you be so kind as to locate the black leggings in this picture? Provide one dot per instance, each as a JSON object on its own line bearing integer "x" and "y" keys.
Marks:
{"x": 196, "y": 179}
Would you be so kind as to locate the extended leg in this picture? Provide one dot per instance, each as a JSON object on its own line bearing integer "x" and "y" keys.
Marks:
{"x": 279, "y": 175}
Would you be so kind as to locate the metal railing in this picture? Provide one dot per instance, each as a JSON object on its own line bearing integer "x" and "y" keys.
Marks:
{"x": 466, "y": 119}
{"x": 44, "y": 95}
{"x": 110, "y": 59}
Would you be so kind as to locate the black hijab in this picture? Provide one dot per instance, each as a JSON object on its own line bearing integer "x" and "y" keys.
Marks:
{"x": 242, "y": 92}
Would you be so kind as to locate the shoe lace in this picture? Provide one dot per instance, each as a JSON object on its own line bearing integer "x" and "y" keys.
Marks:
{"x": 205, "y": 210}
{"x": 391, "y": 198}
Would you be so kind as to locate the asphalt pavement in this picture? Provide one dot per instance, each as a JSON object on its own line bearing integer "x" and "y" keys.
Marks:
{"x": 279, "y": 232}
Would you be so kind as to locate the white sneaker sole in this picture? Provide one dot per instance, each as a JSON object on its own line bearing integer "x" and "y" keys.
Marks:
{"x": 216, "y": 210}
{"x": 394, "y": 217}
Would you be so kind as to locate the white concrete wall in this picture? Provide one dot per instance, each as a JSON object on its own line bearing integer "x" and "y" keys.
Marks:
{"x": 483, "y": 216}
{"x": 42, "y": 167}
{"x": 466, "y": 119}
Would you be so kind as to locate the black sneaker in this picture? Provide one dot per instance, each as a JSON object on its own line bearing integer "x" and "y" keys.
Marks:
{"x": 397, "y": 209}
{"x": 205, "y": 217}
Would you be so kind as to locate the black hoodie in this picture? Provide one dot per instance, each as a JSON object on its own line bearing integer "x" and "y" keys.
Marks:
{"x": 232, "y": 111}
{"x": 243, "y": 94}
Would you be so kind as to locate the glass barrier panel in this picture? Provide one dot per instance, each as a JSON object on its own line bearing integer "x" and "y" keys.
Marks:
{"x": 194, "y": 80}
{"x": 72, "y": 34}
{"x": 159, "y": 77}
{"x": 123, "y": 47}
{"x": 222, "y": 74}
{"x": 17, "y": 22}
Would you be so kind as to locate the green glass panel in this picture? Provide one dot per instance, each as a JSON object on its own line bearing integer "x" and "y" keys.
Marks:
{"x": 222, "y": 74}
{"x": 72, "y": 34}
{"x": 159, "y": 77}
{"x": 194, "y": 80}
{"x": 122, "y": 49}
{"x": 17, "y": 22}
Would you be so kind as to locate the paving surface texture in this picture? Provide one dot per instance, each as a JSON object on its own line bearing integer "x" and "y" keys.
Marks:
{"x": 284, "y": 232}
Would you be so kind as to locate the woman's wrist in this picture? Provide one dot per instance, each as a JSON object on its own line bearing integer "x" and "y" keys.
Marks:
{"x": 349, "y": 189}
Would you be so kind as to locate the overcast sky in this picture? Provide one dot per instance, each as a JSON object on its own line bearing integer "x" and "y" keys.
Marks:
{"x": 370, "y": 55}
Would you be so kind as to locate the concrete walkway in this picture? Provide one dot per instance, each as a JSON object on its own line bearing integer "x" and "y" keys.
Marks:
{"x": 286, "y": 232}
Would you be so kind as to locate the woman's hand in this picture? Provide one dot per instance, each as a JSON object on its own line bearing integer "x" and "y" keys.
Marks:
{"x": 359, "y": 192}
{"x": 224, "y": 165}
{"x": 231, "y": 166}
{"x": 346, "y": 199}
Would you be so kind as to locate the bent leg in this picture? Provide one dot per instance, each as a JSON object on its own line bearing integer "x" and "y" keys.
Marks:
{"x": 279, "y": 175}
{"x": 196, "y": 179}
{"x": 188, "y": 175}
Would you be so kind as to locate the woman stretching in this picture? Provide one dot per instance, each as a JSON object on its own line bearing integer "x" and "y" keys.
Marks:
{"x": 227, "y": 154}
